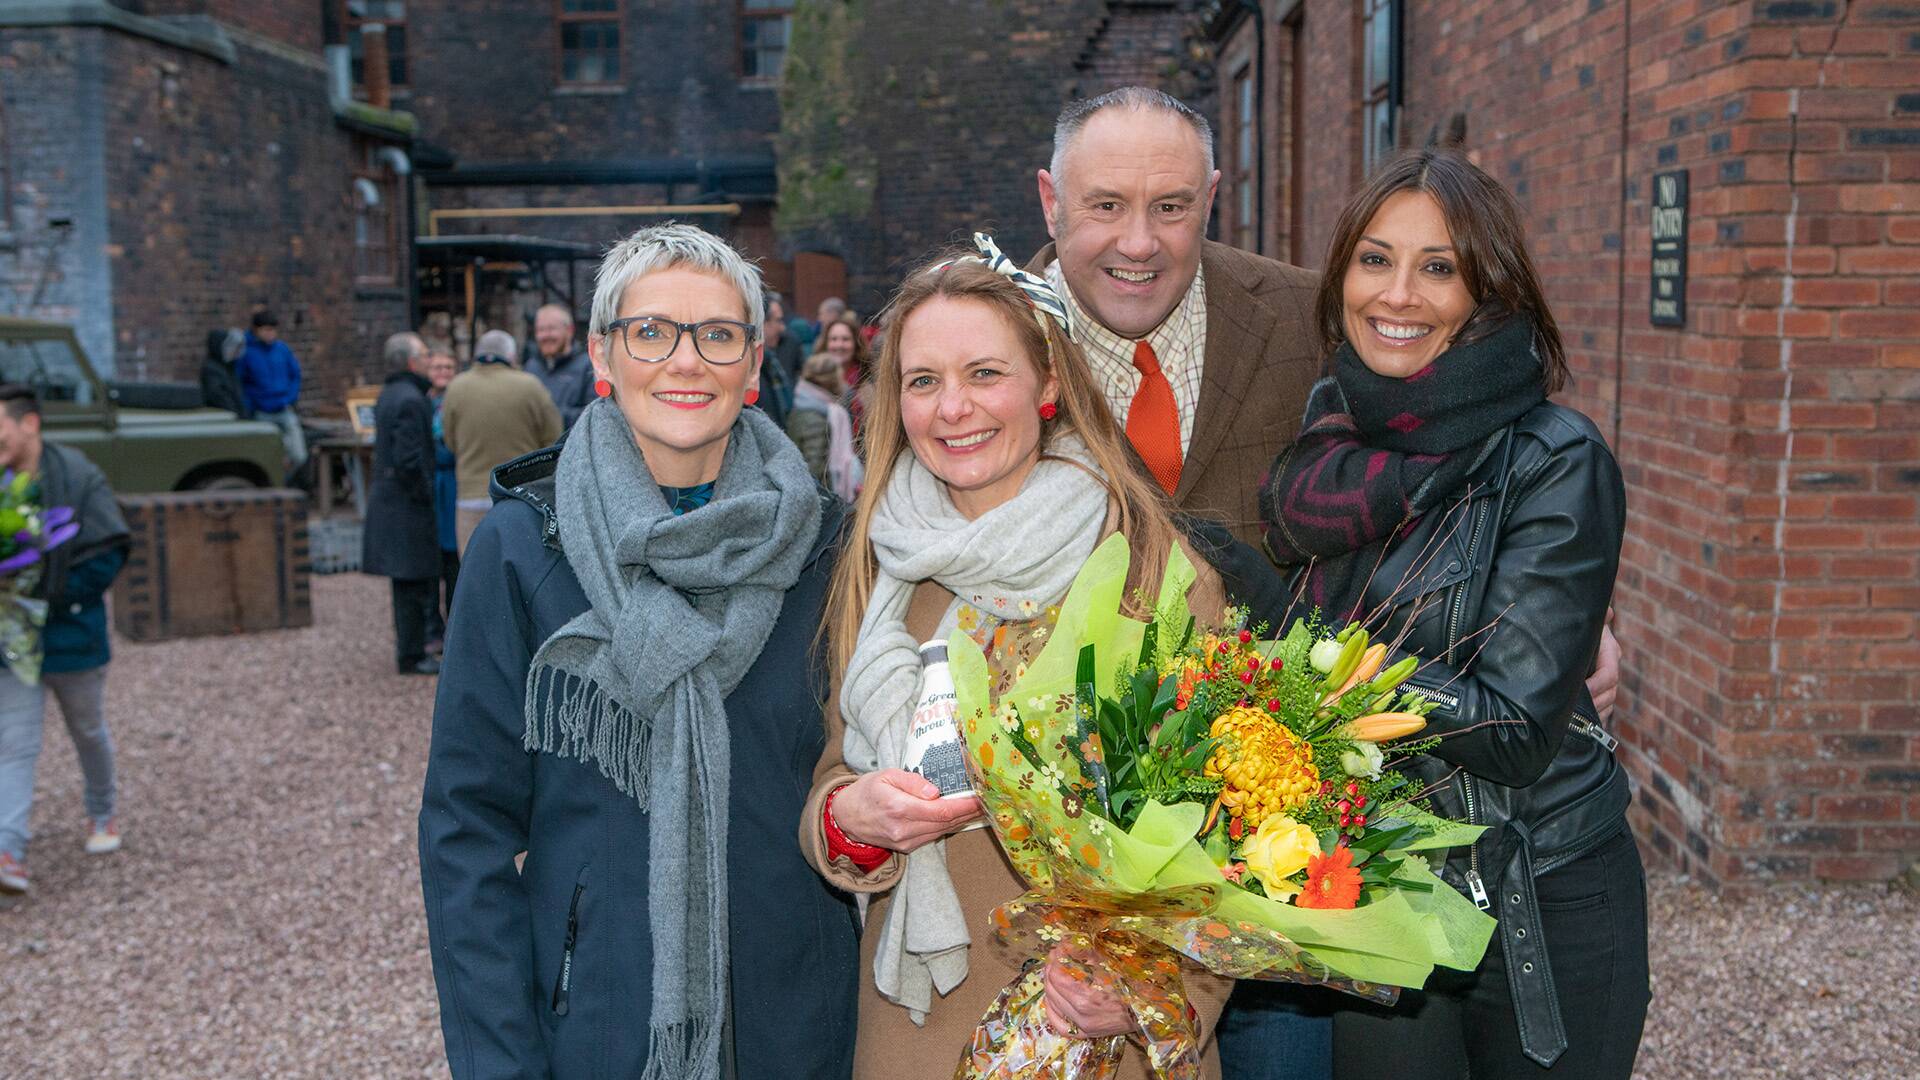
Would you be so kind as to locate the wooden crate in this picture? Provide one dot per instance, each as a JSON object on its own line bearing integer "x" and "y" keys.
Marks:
{"x": 213, "y": 562}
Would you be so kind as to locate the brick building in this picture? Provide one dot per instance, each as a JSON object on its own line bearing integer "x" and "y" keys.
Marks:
{"x": 896, "y": 142}
{"x": 1770, "y": 438}
{"x": 168, "y": 167}
{"x": 611, "y": 114}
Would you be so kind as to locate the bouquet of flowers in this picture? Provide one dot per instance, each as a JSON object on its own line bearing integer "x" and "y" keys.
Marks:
{"x": 1173, "y": 791}
{"x": 27, "y": 533}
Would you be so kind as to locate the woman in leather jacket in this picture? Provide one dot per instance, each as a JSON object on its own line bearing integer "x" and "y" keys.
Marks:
{"x": 1437, "y": 495}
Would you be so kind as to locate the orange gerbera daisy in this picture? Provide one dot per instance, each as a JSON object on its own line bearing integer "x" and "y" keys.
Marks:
{"x": 1332, "y": 882}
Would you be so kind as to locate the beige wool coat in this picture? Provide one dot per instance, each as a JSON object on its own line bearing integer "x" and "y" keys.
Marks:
{"x": 888, "y": 1045}
{"x": 492, "y": 414}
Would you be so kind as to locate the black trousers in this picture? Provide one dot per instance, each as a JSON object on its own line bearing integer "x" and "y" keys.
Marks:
{"x": 414, "y": 602}
{"x": 443, "y": 600}
{"x": 1594, "y": 915}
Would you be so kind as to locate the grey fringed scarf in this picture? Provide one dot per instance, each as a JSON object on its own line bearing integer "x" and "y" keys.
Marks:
{"x": 636, "y": 684}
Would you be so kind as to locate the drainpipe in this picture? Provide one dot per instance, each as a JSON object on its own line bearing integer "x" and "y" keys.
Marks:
{"x": 1259, "y": 122}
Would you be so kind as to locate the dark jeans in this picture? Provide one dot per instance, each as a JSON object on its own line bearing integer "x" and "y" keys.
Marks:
{"x": 1594, "y": 915}
{"x": 443, "y": 599}
{"x": 1277, "y": 1031}
{"x": 413, "y": 603}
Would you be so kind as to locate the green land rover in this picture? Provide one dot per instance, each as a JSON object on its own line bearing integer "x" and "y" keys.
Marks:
{"x": 140, "y": 449}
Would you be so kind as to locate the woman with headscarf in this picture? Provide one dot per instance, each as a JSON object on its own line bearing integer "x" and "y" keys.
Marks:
{"x": 630, "y": 697}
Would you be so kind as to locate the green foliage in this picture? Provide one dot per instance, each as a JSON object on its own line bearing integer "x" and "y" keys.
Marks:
{"x": 1148, "y": 750}
{"x": 826, "y": 170}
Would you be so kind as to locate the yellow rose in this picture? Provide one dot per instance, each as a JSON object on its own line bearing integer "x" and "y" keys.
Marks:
{"x": 1278, "y": 850}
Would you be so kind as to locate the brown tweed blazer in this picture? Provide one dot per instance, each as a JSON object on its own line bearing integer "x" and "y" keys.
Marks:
{"x": 1262, "y": 357}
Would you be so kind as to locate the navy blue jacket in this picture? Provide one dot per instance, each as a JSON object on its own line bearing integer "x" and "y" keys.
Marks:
{"x": 75, "y": 637}
{"x": 499, "y": 935}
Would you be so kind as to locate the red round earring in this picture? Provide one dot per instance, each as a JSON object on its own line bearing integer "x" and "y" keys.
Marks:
{"x": 1048, "y": 410}
{"x": 753, "y": 397}
{"x": 603, "y": 388}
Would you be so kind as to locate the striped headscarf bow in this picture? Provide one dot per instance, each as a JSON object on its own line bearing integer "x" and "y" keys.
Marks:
{"x": 1039, "y": 291}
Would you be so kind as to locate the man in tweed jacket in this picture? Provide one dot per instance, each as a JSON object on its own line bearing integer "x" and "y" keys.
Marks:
{"x": 1127, "y": 200}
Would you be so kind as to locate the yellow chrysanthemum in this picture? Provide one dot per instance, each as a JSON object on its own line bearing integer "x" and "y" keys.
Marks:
{"x": 1268, "y": 769}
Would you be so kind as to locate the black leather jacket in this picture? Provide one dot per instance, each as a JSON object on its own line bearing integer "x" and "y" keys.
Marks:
{"x": 1531, "y": 547}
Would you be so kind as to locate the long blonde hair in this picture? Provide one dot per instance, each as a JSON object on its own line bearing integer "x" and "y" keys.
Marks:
{"x": 1143, "y": 513}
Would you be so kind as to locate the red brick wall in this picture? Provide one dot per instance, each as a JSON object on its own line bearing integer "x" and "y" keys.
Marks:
{"x": 1331, "y": 141}
{"x": 230, "y": 190}
{"x": 467, "y": 55}
{"x": 224, "y": 188}
{"x": 290, "y": 22}
{"x": 1767, "y": 598}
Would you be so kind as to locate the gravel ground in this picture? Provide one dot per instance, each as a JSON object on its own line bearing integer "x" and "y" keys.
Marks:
{"x": 264, "y": 917}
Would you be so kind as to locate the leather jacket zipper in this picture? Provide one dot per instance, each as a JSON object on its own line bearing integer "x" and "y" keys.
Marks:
{"x": 1474, "y": 883}
{"x": 1460, "y": 591}
{"x": 563, "y": 983}
{"x": 1439, "y": 697}
{"x": 1594, "y": 731}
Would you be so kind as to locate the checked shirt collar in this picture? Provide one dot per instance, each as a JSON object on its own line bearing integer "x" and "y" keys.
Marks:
{"x": 1180, "y": 344}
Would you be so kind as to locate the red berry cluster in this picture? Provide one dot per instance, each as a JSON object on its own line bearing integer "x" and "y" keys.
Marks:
{"x": 1352, "y": 808}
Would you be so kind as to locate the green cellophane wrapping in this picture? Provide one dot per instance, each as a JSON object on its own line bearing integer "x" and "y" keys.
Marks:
{"x": 1154, "y": 882}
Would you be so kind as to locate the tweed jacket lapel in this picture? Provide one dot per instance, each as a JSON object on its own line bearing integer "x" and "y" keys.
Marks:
{"x": 1238, "y": 326}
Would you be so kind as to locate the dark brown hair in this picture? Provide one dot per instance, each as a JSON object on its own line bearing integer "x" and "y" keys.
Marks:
{"x": 19, "y": 400}
{"x": 1488, "y": 237}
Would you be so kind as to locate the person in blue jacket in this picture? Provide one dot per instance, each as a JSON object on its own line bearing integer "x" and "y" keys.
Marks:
{"x": 270, "y": 381}
{"x": 631, "y": 697}
{"x": 74, "y": 578}
{"x": 441, "y": 367}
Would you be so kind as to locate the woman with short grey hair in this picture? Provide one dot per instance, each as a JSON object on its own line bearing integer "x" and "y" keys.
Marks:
{"x": 630, "y": 697}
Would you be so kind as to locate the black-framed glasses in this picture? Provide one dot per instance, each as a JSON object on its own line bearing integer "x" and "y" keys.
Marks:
{"x": 652, "y": 338}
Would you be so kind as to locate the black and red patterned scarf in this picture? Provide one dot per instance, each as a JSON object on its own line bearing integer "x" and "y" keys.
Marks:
{"x": 1376, "y": 453}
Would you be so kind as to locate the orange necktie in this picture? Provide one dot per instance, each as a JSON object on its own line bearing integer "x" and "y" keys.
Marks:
{"x": 1153, "y": 421}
